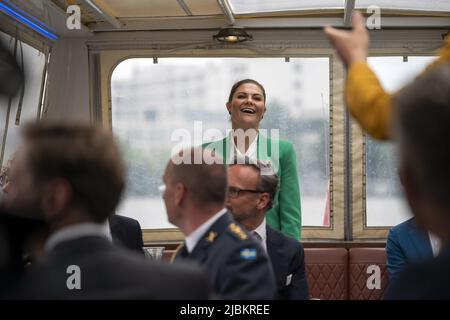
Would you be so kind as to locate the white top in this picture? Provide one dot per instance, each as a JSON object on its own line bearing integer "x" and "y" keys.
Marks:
{"x": 192, "y": 239}
{"x": 78, "y": 231}
{"x": 435, "y": 244}
{"x": 262, "y": 233}
{"x": 252, "y": 151}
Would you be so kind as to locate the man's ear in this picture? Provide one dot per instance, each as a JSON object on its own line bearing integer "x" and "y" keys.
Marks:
{"x": 228, "y": 104}
{"x": 56, "y": 196}
{"x": 179, "y": 194}
{"x": 263, "y": 201}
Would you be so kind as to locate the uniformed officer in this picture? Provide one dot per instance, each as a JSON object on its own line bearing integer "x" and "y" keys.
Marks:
{"x": 194, "y": 195}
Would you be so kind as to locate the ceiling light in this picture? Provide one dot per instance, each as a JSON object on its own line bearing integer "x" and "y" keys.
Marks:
{"x": 232, "y": 35}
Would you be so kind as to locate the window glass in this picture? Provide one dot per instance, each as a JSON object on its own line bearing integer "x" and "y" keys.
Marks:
{"x": 385, "y": 204}
{"x": 33, "y": 66}
{"x": 259, "y": 6}
{"x": 417, "y": 5}
{"x": 151, "y": 101}
{"x": 250, "y": 6}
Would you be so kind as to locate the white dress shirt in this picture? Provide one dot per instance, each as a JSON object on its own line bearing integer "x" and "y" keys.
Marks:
{"x": 435, "y": 244}
{"x": 262, "y": 234}
{"x": 78, "y": 231}
{"x": 192, "y": 239}
{"x": 252, "y": 151}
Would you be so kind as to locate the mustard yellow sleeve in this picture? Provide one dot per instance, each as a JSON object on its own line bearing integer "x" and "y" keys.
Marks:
{"x": 367, "y": 100}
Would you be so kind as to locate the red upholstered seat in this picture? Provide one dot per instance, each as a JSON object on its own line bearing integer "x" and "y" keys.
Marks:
{"x": 367, "y": 264}
{"x": 327, "y": 273}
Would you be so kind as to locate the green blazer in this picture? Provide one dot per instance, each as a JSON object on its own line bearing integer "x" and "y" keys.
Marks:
{"x": 286, "y": 212}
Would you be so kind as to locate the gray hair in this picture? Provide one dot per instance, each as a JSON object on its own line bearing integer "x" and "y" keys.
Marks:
{"x": 268, "y": 180}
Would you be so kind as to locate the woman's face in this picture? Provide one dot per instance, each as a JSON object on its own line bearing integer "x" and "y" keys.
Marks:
{"x": 247, "y": 106}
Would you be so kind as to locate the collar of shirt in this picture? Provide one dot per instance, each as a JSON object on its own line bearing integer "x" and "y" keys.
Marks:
{"x": 252, "y": 151}
{"x": 78, "y": 231}
{"x": 107, "y": 229}
{"x": 262, "y": 233}
{"x": 435, "y": 244}
{"x": 192, "y": 240}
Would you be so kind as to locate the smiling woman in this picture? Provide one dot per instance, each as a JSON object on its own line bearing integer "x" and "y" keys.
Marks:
{"x": 247, "y": 106}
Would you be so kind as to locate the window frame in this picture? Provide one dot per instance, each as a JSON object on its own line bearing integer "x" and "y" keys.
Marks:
{"x": 41, "y": 44}
{"x": 360, "y": 230}
{"x": 111, "y": 59}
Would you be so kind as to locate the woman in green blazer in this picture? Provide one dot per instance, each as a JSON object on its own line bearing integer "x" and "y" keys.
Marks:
{"x": 247, "y": 105}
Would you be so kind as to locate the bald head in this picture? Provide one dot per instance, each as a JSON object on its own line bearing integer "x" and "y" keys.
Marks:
{"x": 202, "y": 173}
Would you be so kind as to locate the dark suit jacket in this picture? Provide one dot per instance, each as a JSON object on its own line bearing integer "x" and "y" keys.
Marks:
{"x": 127, "y": 232}
{"x": 109, "y": 272}
{"x": 288, "y": 261}
{"x": 14, "y": 233}
{"x": 237, "y": 266}
{"x": 406, "y": 245}
{"x": 426, "y": 280}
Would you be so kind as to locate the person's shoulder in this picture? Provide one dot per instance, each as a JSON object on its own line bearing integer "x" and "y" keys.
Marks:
{"x": 285, "y": 241}
{"x": 130, "y": 263}
{"x": 281, "y": 142}
{"x": 237, "y": 234}
{"x": 124, "y": 273}
{"x": 236, "y": 240}
{"x": 284, "y": 146}
{"x": 404, "y": 226}
{"x": 124, "y": 220}
{"x": 285, "y": 143}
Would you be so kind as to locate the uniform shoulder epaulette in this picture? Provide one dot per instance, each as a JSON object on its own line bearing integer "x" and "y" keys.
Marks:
{"x": 211, "y": 236}
{"x": 237, "y": 231}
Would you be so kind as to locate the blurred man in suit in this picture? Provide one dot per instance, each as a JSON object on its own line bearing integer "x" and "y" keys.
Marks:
{"x": 122, "y": 231}
{"x": 14, "y": 230}
{"x": 194, "y": 195}
{"x": 408, "y": 244}
{"x": 423, "y": 128}
{"x": 72, "y": 176}
{"x": 252, "y": 186}
{"x": 126, "y": 232}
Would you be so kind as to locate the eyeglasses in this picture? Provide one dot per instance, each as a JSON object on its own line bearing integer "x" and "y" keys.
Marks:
{"x": 162, "y": 188}
{"x": 235, "y": 192}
